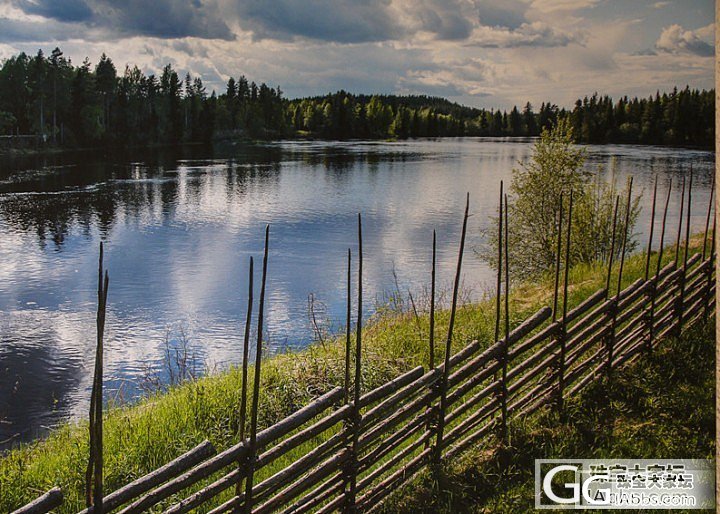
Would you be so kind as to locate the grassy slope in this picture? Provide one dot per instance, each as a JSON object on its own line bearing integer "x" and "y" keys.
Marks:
{"x": 142, "y": 437}
{"x": 652, "y": 409}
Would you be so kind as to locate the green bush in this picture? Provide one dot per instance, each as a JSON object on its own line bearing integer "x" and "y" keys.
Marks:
{"x": 557, "y": 169}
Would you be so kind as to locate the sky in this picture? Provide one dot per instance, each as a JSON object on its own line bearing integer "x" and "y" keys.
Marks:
{"x": 484, "y": 53}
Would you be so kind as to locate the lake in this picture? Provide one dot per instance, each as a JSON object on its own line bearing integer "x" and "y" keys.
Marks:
{"x": 180, "y": 225}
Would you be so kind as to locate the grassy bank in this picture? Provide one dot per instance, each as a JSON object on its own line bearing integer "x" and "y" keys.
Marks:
{"x": 144, "y": 436}
{"x": 654, "y": 408}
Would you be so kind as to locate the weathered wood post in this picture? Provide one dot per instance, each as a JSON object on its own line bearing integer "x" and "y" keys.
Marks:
{"x": 680, "y": 220}
{"x": 348, "y": 424}
{"x": 652, "y": 230}
{"x": 94, "y": 471}
{"x": 437, "y": 454}
{"x": 498, "y": 288}
{"x": 711, "y": 264}
{"x": 558, "y": 261}
{"x": 354, "y": 424}
{"x": 45, "y": 503}
{"x": 681, "y": 297}
{"x": 707, "y": 218}
{"x": 243, "y": 392}
{"x": 430, "y": 412}
{"x": 558, "y": 331}
{"x": 432, "y": 303}
{"x": 252, "y": 444}
{"x": 613, "y": 301}
{"x": 348, "y": 342}
{"x": 711, "y": 268}
{"x": 613, "y": 239}
{"x": 563, "y": 326}
{"x": 658, "y": 267}
{"x": 499, "y": 269}
{"x": 648, "y": 318}
{"x": 504, "y": 389}
{"x": 615, "y": 310}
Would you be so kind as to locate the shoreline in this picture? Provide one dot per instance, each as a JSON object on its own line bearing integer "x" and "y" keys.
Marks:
{"x": 56, "y": 150}
{"x": 142, "y": 436}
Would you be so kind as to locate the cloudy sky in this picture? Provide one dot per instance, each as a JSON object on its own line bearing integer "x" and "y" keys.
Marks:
{"x": 491, "y": 53}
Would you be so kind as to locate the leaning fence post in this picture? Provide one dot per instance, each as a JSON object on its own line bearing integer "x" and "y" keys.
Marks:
{"x": 708, "y": 272}
{"x": 432, "y": 303}
{"x": 437, "y": 457}
{"x": 616, "y": 306}
{"x": 90, "y": 470}
{"x": 347, "y": 328}
{"x": 499, "y": 270}
{"x": 252, "y": 446}
{"x": 613, "y": 301}
{"x": 505, "y": 346}
{"x": 351, "y": 468}
{"x": 430, "y": 411}
{"x": 711, "y": 267}
{"x": 558, "y": 261}
{"x": 348, "y": 426}
{"x": 648, "y": 318}
{"x": 652, "y": 230}
{"x": 556, "y": 292}
{"x": 563, "y": 327}
{"x": 707, "y": 218}
{"x": 611, "y": 257}
{"x": 658, "y": 267}
{"x": 680, "y": 220}
{"x": 94, "y": 472}
{"x": 243, "y": 392}
{"x": 498, "y": 290}
{"x": 681, "y": 301}
{"x": 677, "y": 301}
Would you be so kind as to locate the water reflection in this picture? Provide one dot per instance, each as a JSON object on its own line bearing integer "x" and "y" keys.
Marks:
{"x": 180, "y": 226}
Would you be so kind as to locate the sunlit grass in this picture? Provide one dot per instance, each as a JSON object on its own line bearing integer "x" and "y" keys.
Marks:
{"x": 144, "y": 436}
{"x": 651, "y": 409}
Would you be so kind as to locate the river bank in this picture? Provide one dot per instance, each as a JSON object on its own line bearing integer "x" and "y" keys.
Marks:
{"x": 178, "y": 227}
{"x": 143, "y": 436}
{"x": 48, "y": 150}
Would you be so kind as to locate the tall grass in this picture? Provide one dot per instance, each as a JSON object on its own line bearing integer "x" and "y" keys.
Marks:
{"x": 141, "y": 437}
{"x": 655, "y": 408}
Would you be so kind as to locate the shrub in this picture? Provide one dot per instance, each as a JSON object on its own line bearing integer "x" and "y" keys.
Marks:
{"x": 557, "y": 168}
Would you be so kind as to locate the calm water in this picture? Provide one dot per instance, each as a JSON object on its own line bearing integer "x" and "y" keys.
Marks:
{"x": 180, "y": 227}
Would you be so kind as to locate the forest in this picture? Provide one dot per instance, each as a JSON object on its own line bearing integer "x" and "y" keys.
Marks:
{"x": 96, "y": 105}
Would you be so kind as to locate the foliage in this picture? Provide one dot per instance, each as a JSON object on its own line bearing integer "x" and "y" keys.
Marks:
{"x": 556, "y": 169}
{"x": 85, "y": 106}
{"x": 682, "y": 117}
{"x": 7, "y": 122}
{"x": 343, "y": 115}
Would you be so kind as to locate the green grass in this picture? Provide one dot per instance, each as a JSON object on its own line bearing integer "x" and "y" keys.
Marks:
{"x": 146, "y": 435}
{"x": 653, "y": 408}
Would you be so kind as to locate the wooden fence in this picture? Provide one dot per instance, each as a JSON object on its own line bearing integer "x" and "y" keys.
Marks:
{"x": 347, "y": 451}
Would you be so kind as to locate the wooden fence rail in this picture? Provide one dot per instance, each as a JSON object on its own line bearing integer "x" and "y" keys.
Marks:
{"x": 347, "y": 452}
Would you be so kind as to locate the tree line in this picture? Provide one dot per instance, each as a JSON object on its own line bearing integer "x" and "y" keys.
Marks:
{"x": 86, "y": 105}
{"x": 80, "y": 106}
{"x": 682, "y": 117}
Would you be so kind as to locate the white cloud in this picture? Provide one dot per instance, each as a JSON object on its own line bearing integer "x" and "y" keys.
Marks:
{"x": 481, "y": 52}
{"x": 549, "y": 6}
{"x": 537, "y": 34}
{"x": 707, "y": 32}
{"x": 676, "y": 40}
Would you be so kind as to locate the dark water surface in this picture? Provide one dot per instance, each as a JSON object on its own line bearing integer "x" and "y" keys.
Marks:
{"x": 180, "y": 226}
